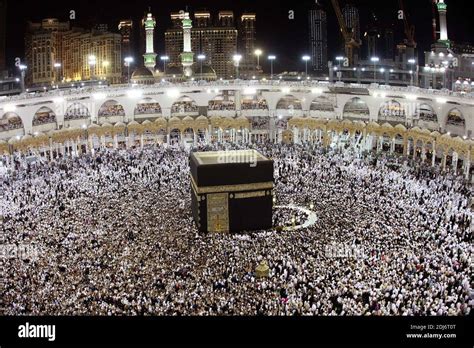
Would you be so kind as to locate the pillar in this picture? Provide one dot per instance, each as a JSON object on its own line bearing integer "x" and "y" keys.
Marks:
{"x": 443, "y": 162}
{"x": 467, "y": 165}
{"x": 455, "y": 161}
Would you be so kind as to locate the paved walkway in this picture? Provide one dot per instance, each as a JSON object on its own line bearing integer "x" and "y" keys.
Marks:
{"x": 312, "y": 217}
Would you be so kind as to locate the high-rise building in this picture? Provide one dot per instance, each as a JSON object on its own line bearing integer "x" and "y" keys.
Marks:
{"x": 217, "y": 41}
{"x": 318, "y": 38}
{"x": 248, "y": 32}
{"x": 125, "y": 28}
{"x": 43, "y": 48}
{"x": 56, "y": 53}
{"x": 80, "y": 45}
{"x": 226, "y": 18}
{"x": 389, "y": 43}
{"x": 372, "y": 36}
{"x": 101, "y": 27}
{"x": 149, "y": 23}
{"x": 351, "y": 17}
{"x": 202, "y": 19}
{"x": 3, "y": 15}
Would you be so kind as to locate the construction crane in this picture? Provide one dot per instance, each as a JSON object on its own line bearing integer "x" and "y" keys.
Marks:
{"x": 351, "y": 44}
{"x": 408, "y": 27}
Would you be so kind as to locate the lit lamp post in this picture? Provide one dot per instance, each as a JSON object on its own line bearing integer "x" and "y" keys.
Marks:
{"x": 306, "y": 60}
{"x": 128, "y": 62}
{"x": 258, "y": 53}
{"x": 164, "y": 59}
{"x": 375, "y": 60}
{"x": 201, "y": 58}
{"x": 237, "y": 58}
{"x": 22, "y": 71}
{"x": 92, "y": 63}
{"x": 271, "y": 59}
{"x": 339, "y": 59}
{"x": 412, "y": 62}
{"x": 105, "y": 64}
{"x": 57, "y": 66}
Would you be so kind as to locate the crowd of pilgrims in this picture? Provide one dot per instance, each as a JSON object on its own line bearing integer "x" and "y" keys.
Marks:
{"x": 44, "y": 118}
{"x": 184, "y": 106}
{"x": 114, "y": 236}
{"x": 10, "y": 123}
{"x": 228, "y": 105}
{"x": 148, "y": 108}
{"x": 111, "y": 110}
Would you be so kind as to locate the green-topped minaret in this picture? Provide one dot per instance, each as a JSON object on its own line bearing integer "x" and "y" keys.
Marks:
{"x": 443, "y": 23}
{"x": 149, "y": 23}
{"x": 187, "y": 57}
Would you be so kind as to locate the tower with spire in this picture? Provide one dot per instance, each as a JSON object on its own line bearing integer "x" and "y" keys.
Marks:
{"x": 187, "y": 57}
{"x": 443, "y": 23}
{"x": 149, "y": 23}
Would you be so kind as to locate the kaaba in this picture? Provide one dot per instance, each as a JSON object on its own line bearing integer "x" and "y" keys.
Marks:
{"x": 232, "y": 191}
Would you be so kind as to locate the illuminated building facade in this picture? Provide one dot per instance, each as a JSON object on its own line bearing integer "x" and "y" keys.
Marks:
{"x": 43, "y": 47}
{"x": 216, "y": 40}
{"x": 80, "y": 45}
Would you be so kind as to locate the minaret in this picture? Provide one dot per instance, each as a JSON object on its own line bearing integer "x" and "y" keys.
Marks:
{"x": 443, "y": 23}
{"x": 187, "y": 57}
{"x": 149, "y": 23}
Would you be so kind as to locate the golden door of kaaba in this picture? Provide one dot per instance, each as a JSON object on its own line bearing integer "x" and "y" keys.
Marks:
{"x": 218, "y": 212}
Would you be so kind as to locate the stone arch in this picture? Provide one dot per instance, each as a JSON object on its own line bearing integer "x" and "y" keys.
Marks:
{"x": 10, "y": 121}
{"x": 147, "y": 106}
{"x": 175, "y": 135}
{"x": 281, "y": 122}
{"x": 221, "y": 102}
{"x": 455, "y": 118}
{"x": 356, "y": 108}
{"x": 289, "y": 102}
{"x": 392, "y": 110}
{"x": 322, "y": 103}
{"x": 184, "y": 105}
{"x": 254, "y": 102}
{"x": 111, "y": 108}
{"x": 76, "y": 111}
{"x": 426, "y": 113}
{"x": 44, "y": 116}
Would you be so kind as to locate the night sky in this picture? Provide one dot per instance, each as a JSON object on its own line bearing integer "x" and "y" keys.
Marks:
{"x": 276, "y": 33}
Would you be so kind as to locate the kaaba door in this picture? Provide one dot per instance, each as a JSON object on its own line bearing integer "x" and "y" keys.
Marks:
{"x": 218, "y": 212}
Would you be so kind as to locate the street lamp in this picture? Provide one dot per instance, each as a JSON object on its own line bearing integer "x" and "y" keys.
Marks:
{"x": 271, "y": 59}
{"x": 128, "y": 62}
{"x": 412, "y": 62}
{"x": 92, "y": 63}
{"x": 306, "y": 60}
{"x": 237, "y": 58}
{"x": 164, "y": 59}
{"x": 201, "y": 57}
{"x": 105, "y": 64}
{"x": 22, "y": 68}
{"x": 57, "y": 67}
{"x": 258, "y": 53}
{"x": 375, "y": 60}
